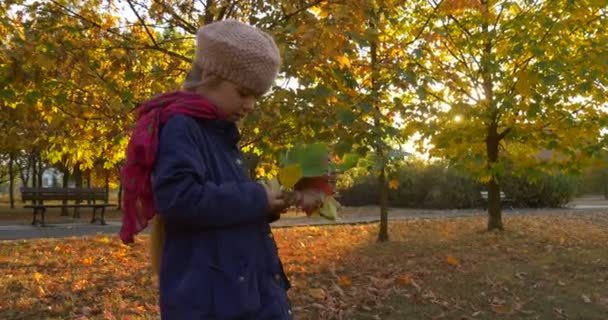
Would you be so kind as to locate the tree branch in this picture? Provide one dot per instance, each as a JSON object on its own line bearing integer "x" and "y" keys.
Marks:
{"x": 142, "y": 22}
{"x": 298, "y": 11}
{"x": 190, "y": 28}
{"x": 426, "y": 23}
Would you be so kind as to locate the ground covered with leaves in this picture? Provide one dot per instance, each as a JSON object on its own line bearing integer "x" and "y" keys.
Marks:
{"x": 542, "y": 267}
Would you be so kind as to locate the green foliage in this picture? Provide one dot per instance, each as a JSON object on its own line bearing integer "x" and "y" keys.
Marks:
{"x": 547, "y": 191}
{"x": 432, "y": 186}
{"x": 438, "y": 186}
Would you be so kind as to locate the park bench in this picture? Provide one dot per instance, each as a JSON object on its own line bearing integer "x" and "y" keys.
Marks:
{"x": 82, "y": 197}
{"x": 504, "y": 201}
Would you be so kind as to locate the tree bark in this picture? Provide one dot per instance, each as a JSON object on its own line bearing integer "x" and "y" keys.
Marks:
{"x": 34, "y": 166}
{"x": 375, "y": 88}
{"x": 24, "y": 171}
{"x": 383, "y": 234}
{"x": 492, "y": 136}
{"x": 107, "y": 186}
{"x": 120, "y": 196}
{"x": 65, "y": 184}
{"x": 494, "y": 208}
{"x": 78, "y": 182}
{"x": 40, "y": 170}
{"x": 11, "y": 179}
{"x": 88, "y": 179}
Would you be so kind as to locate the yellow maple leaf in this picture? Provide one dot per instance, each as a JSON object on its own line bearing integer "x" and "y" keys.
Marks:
{"x": 290, "y": 175}
{"x": 37, "y": 276}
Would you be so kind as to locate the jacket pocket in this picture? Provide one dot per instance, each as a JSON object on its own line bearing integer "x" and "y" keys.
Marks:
{"x": 236, "y": 294}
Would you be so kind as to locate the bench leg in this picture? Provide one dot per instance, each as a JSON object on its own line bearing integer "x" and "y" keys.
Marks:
{"x": 103, "y": 214}
{"x": 43, "y": 224}
{"x": 94, "y": 217}
{"x": 34, "y": 220}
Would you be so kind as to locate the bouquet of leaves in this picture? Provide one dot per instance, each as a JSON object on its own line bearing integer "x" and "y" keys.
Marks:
{"x": 308, "y": 173}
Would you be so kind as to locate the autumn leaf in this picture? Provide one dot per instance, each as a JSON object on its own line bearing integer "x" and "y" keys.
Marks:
{"x": 405, "y": 279}
{"x": 345, "y": 281}
{"x": 317, "y": 293}
{"x": 329, "y": 209}
{"x": 290, "y": 175}
{"x": 453, "y": 261}
{"x": 394, "y": 184}
{"x": 343, "y": 61}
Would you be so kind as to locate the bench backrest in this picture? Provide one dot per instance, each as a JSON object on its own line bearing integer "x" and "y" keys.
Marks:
{"x": 76, "y": 194}
{"x": 484, "y": 195}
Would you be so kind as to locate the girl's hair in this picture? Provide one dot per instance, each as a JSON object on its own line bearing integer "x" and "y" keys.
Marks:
{"x": 198, "y": 78}
{"x": 157, "y": 241}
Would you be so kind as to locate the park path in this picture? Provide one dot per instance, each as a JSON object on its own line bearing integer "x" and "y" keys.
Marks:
{"x": 351, "y": 215}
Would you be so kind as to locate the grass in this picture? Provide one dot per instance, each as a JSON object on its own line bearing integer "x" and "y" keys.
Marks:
{"x": 541, "y": 267}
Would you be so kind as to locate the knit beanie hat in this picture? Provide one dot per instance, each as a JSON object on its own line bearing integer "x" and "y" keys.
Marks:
{"x": 238, "y": 52}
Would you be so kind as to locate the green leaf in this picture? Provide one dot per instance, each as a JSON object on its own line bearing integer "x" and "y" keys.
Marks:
{"x": 346, "y": 117}
{"x": 312, "y": 158}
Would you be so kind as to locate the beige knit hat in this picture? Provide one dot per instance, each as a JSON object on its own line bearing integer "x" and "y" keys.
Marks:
{"x": 238, "y": 52}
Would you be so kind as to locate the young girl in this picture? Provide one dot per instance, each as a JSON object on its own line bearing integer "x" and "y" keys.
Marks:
{"x": 218, "y": 258}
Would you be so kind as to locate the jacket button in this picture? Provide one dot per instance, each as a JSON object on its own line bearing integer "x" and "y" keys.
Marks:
{"x": 270, "y": 235}
{"x": 241, "y": 279}
{"x": 277, "y": 277}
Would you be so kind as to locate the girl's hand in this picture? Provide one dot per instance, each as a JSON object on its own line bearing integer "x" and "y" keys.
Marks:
{"x": 276, "y": 200}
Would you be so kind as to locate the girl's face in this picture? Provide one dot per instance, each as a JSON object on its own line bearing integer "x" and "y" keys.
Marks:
{"x": 235, "y": 102}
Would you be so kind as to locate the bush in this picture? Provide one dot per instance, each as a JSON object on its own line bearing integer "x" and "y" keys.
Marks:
{"x": 546, "y": 192}
{"x": 431, "y": 186}
{"x": 436, "y": 186}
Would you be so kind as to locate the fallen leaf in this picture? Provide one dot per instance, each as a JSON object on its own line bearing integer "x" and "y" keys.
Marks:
{"x": 405, "y": 279}
{"x": 345, "y": 281}
{"x": 453, "y": 261}
{"x": 586, "y": 298}
{"x": 317, "y": 293}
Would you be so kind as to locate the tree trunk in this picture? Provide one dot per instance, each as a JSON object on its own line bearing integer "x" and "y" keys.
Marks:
{"x": 382, "y": 184}
{"x": 88, "y": 179}
{"x": 11, "y": 179}
{"x": 34, "y": 172}
{"x": 24, "y": 171}
{"x": 107, "y": 186}
{"x": 375, "y": 88}
{"x": 492, "y": 136}
{"x": 65, "y": 185}
{"x": 40, "y": 171}
{"x": 78, "y": 182}
{"x": 120, "y": 196}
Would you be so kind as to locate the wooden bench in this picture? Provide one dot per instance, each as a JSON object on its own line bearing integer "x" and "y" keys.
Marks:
{"x": 78, "y": 195}
{"x": 503, "y": 200}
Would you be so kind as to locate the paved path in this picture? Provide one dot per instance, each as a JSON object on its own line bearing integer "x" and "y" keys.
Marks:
{"x": 357, "y": 215}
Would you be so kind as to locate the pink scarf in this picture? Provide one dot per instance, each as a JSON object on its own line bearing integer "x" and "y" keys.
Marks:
{"x": 138, "y": 201}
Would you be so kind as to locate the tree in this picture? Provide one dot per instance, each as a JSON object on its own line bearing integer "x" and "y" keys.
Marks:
{"x": 501, "y": 81}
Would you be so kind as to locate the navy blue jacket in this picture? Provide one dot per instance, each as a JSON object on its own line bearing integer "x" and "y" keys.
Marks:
{"x": 219, "y": 260}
